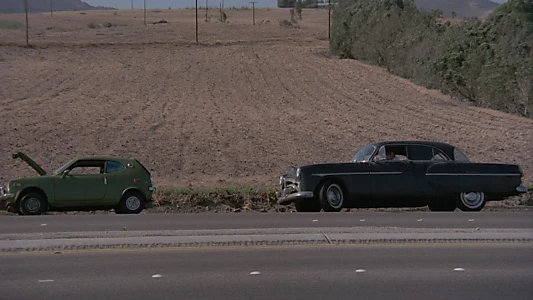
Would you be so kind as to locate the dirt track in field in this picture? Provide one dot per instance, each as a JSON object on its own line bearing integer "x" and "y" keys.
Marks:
{"x": 237, "y": 112}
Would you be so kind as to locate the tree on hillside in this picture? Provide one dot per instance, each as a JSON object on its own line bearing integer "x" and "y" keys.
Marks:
{"x": 488, "y": 63}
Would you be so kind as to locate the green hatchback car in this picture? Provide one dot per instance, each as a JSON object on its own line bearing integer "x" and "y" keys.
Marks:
{"x": 86, "y": 183}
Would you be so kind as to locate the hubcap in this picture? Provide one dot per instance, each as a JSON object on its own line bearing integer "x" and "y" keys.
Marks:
{"x": 33, "y": 205}
{"x": 133, "y": 203}
{"x": 334, "y": 194}
{"x": 472, "y": 199}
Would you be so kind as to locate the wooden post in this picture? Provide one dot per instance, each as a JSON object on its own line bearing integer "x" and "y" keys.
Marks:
{"x": 144, "y": 12}
{"x": 196, "y": 20}
{"x": 253, "y": 10}
{"x": 51, "y": 8}
{"x": 206, "y": 5}
{"x": 27, "y": 31}
{"x": 329, "y": 19}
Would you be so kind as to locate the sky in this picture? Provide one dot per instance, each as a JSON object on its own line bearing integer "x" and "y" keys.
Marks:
{"x": 138, "y": 4}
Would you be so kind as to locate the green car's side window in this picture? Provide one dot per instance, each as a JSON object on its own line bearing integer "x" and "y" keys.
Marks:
{"x": 114, "y": 166}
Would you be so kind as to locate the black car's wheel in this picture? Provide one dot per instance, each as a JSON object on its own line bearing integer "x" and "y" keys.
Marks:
{"x": 442, "y": 206}
{"x": 331, "y": 196}
{"x": 471, "y": 201}
{"x": 131, "y": 203}
{"x": 32, "y": 204}
{"x": 307, "y": 205}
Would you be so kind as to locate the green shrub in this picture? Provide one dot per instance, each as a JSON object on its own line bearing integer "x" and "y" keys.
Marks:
{"x": 10, "y": 24}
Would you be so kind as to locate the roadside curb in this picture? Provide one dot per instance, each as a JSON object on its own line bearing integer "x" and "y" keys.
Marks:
{"x": 325, "y": 237}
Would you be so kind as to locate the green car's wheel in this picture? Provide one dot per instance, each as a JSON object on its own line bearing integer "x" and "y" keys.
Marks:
{"x": 131, "y": 203}
{"x": 32, "y": 204}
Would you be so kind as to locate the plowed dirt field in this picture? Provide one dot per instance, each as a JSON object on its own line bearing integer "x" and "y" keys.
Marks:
{"x": 236, "y": 110}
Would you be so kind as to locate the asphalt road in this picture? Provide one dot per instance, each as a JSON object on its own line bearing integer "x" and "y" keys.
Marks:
{"x": 110, "y": 222}
{"x": 465, "y": 271}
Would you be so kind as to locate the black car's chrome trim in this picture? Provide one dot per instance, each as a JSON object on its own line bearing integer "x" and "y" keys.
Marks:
{"x": 356, "y": 173}
{"x": 473, "y": 174}
{"x": 522, "y": 188}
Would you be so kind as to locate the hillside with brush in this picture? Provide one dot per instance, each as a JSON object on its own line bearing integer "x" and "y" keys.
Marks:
{"x": 459, "y": 8}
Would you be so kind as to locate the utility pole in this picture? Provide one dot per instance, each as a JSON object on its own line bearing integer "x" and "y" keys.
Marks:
{"x": 253, "y": 10}
{"x": 131, "y": 4}
{"x": 329, "y": 19}
{"x": 27, "y": 32}
{"x": 206, "y": 10}
{"x": 145, "y": 12}
{"x": 51, "y": 8}
{"x": 196, "y": 21}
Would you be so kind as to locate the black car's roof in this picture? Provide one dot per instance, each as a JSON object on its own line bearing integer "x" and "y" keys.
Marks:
{"x": 439, "y": 145}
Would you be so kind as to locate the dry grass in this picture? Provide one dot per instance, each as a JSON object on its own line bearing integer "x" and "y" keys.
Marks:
{"x": 236, "y": 110}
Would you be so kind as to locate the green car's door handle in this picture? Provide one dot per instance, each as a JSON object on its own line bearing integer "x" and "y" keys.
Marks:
{"x": 105, "y": 180}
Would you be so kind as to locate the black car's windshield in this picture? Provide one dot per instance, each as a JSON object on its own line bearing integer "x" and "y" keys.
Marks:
{"x": 364, "y": 153}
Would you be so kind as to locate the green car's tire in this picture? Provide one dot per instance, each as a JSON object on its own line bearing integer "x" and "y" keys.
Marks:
{"x": 132, "y": 202}
{"x": 32, "y": 204}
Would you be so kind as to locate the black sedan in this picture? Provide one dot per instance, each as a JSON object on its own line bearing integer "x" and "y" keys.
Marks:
{"x": 400, "y": 174}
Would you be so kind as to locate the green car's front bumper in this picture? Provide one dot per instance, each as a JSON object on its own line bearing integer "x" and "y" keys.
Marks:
{"x": 5, "y": 198}
{"x": 4, "y": 195}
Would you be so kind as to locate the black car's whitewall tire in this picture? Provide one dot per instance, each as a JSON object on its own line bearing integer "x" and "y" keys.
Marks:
{"x": 131, "y": 203}
{"x": 32, "y": 204}
{"x": 471, "y": 201}
{"x": 331, "y": 196}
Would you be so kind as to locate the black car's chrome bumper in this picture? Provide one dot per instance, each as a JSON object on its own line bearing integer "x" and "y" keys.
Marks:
{"x": 285, "y": 198}
{"x": 522, "y": 189}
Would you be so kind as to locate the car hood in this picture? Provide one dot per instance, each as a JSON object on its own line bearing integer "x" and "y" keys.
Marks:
{"x": 30, "y": 162}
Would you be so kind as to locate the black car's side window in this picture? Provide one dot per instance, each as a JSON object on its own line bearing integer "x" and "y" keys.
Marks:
{"x": 418, "y": 152}
{"x": 439, "y": 155}
{"x": 114, "y": 166}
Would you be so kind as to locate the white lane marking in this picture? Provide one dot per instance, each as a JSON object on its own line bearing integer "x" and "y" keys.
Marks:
{"x": 43, "y": 224}
{"x": 157, "y": 276}
{"x": 362, "y": 220}
{"x": 315, "y": 220}
{"x": 360, "y": 271}
{"x": 459, "y": 269}
{"x": 45, "y": 280}
{"x": 255, "y": 273}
